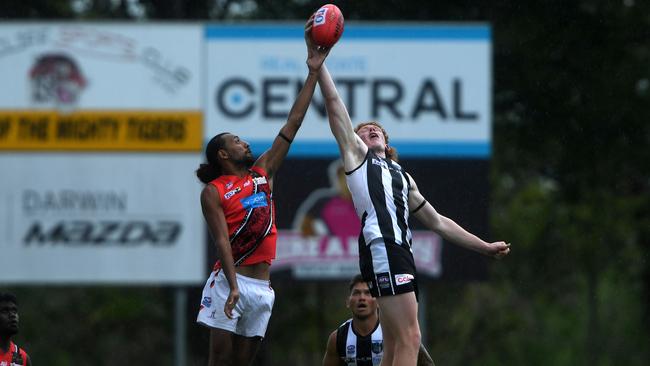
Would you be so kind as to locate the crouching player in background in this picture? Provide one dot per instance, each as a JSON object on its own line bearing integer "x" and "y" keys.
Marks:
{"x": 359, "y": 340}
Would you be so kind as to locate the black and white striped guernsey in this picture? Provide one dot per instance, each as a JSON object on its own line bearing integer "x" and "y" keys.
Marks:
{"x": 380, "y": 191}
{"x": 356, "y": 350}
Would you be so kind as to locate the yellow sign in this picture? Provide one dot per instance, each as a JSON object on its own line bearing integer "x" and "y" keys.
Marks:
{"x": 101, "y": 130}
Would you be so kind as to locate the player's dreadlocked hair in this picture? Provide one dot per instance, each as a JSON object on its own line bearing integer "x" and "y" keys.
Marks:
{"x": 211, "y": 170}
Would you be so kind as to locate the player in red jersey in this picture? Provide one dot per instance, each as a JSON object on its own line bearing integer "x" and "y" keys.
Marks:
{"x": 237, "y": 204}
{"x": 10, "y": 353}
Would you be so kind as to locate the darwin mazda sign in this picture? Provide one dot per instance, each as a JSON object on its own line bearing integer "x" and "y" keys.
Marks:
{"x": 92, "y": 224}
{"x": 99, "y": 227}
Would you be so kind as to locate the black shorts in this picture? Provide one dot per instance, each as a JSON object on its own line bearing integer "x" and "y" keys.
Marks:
{"x": 388, "y": 268}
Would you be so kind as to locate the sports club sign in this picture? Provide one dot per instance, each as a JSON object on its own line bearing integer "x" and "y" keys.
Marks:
{"x": 99, "y": 137}
{"x": 100, "y": 87}
{"x": 429, "y": 85}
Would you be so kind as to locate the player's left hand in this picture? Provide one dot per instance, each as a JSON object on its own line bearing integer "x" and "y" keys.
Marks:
{"x": 231, "y": 301}
{"x": 498, "y": 249}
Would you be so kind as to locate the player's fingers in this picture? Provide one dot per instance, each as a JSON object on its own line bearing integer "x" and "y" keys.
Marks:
{"x": 230, "y": 304}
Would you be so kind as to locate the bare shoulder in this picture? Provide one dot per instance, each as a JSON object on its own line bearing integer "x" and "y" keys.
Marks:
{"x": 332, "y": 339}
{"x": 410, "y": 177}
{"x": 210, "y": 196}
{"x": 209, "y": 190}
{"x": 414, "y": 186}
{"x": 331, "y": 357}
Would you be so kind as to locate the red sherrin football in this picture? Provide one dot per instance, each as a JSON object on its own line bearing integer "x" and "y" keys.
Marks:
{"x": 328, "y": 25}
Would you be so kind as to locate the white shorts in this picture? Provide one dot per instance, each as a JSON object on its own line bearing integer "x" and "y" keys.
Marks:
{"x": 251, "y": 313}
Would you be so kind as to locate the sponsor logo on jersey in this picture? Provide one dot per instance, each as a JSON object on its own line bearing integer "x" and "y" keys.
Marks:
{"x": 232, "y": 193}
{"x": 402, "y": 279}
{"x": 254, "y": 201}
{"x": 247, "y": 183}
{"x": 207, "y": 301}
{"x": 228, "y": 185}
{"x": 379, "y": 162}
{"x": 383, "y": 280}
{"x": 259, "y": 180}
{"x": 385, "y": 165}
{"x": 377, "y": 346}
{"x": 351, "y": 349}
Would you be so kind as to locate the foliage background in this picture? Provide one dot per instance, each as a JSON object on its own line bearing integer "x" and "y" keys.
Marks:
{"x": 570, "y": 188}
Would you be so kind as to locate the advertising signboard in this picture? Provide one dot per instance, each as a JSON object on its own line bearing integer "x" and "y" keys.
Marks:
{"x": 100, "y": 132}
{"x": 429, "y": 85}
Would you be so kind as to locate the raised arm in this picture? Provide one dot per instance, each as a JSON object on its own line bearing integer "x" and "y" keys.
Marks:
{"x": 352, "y": 148}
{"x": 448, "y": 229}
{"x": 273, "y": 158}
{"x": 331, "y": 357}
{"x": 214, "y": 216}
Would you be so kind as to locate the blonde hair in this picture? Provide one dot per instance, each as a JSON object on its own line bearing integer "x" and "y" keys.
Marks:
{"x": 390, "y": 151}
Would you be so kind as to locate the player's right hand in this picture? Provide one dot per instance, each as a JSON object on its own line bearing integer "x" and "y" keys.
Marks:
{"x": 231, "y": 301}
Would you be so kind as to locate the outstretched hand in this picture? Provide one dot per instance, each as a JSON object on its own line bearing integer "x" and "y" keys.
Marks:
{"x": 315, "y": 54}
{"x": 498, "y": 249}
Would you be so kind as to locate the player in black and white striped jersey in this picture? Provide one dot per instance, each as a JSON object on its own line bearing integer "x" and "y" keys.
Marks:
{"x": 384, "y": 196}
{"x": 359, "y": 340}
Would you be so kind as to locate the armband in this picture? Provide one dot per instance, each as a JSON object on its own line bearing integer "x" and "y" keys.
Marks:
{"x": 419, "y": 207}
{"x": 285, "y": 138}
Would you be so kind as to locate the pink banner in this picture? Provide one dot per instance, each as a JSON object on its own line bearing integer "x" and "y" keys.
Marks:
{"x": 337, "y": 256}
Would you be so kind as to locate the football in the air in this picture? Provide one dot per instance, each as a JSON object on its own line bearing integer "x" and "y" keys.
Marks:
{"x": 328, "y": 25}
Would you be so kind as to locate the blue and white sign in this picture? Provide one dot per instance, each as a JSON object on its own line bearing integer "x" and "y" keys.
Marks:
{"x": 428, "y": 85}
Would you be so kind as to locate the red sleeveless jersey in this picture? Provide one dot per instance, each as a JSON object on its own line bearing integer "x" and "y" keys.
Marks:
{"x": 14, "y": 356}
{"x": 248, "y": 206}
